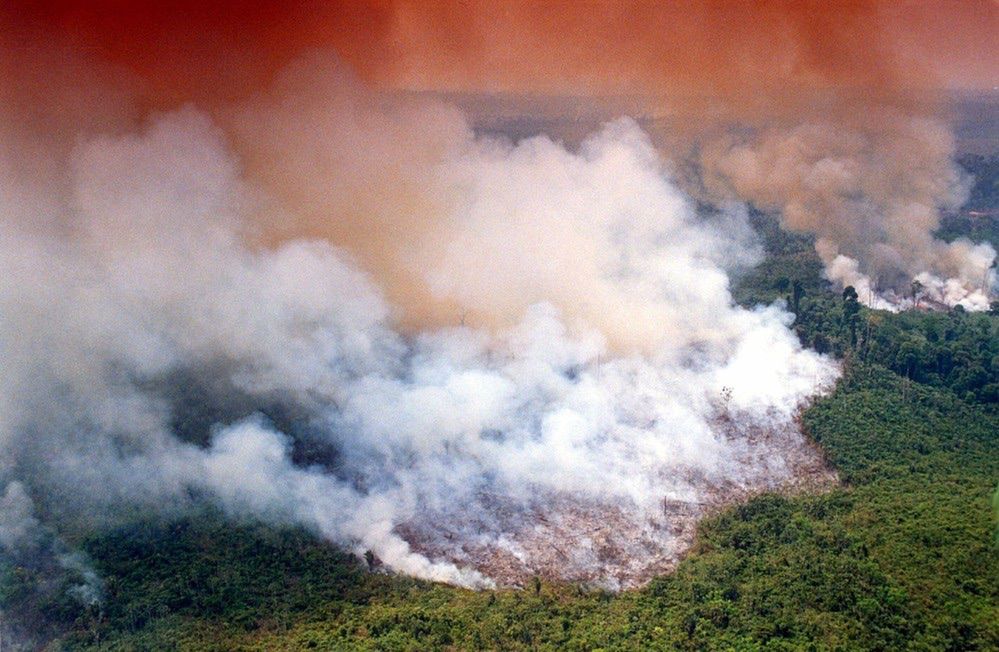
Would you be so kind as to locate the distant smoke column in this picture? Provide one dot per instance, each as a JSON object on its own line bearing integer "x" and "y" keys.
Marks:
{"x": 871, "y": 190}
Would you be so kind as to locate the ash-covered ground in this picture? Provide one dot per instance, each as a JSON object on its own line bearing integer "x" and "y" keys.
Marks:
{"x": 566, "y": 537}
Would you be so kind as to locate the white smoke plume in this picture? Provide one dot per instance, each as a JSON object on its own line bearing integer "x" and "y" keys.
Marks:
{"x": 871, "y": 189}
{"x": 604, "y": 388}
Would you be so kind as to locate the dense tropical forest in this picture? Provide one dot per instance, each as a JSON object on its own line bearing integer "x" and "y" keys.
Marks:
{"x": 903, "y": 554}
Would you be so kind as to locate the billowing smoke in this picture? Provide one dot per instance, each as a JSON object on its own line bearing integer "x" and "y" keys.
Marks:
{"x": 176, "y": 327}
{"x": 475, "y": 231}
{"x": 873, "y": 198}
{"x": 840, "y": 123}
{"x": 872, "y": 193}
{"x": 324, "y": 300}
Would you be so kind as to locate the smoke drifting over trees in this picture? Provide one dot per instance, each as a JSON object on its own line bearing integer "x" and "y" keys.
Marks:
{"x": 873, "y": 194}
{"x": 394, "y": 323}
{"x": 599, "y": 363}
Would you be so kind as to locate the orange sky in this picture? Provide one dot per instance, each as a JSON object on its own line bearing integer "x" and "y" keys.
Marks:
{"x": 221, "y": 50}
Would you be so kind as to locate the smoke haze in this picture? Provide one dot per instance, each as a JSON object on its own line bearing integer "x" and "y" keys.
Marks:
{"x": 841, "y": 125}
{"x": 269, "y": 279}
{"x": 612, "y": 356}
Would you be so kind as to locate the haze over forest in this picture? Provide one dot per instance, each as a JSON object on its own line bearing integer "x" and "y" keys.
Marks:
{"x": 499, "y": 324}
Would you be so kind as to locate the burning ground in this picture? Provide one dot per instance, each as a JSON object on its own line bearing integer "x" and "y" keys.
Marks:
{"x": 563, "y": 538}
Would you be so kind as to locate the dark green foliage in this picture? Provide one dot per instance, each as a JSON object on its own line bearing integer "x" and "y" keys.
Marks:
{"x": 790, "y": 270}
{"x": 44, "y": 589}
{"x": 247, "y": 575}
{"x": 39, "y": 599}
{"x": 977, "y": 226}
{"x": 958, "y": 351}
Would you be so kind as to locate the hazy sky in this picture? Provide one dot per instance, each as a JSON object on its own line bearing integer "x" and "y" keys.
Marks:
{"x": 208, "y": 51}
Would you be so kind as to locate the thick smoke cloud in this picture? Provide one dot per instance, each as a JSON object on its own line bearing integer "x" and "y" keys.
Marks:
{"x": 459, "y": 229}
{"x": 601, "y": 369}
{"x": 845, "y": 97}
{"x": 873, "y": 193}
{"x": 236, "y": 276}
